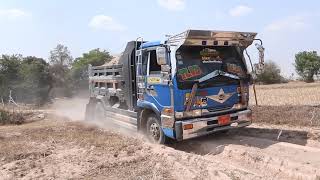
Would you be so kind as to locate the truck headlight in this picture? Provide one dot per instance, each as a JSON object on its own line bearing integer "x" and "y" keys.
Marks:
{"x": 237, "y": 106}
{"x": 192, "y": 113}
{"x": 197, "y": 112}
{"x": 179, "y": 114}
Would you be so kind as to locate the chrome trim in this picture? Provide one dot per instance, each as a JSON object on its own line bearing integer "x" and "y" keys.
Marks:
{"x": 206, "y": 112}
{"x": 200, "y": 125}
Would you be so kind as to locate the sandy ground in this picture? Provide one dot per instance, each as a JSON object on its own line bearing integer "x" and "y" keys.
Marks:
{"x": 283, "y": 143}
{"x": 56, "y": 148}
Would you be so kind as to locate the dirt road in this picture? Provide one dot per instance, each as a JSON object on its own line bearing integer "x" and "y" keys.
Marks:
{"x": 55, "y": 148}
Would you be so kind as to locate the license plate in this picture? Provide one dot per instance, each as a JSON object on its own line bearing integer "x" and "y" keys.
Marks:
{"x": 224, "y": 120}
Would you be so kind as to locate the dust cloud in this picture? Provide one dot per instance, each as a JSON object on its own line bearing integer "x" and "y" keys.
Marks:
{"x": 71, "y": 108}
{"x": 74, "y": 109}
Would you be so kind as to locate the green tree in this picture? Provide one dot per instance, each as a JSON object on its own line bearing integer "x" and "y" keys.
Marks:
{"x": 61, "y": 60}
{"x": 61, "y": 55}
{"x": 95, "y": 57}
{"x": 36, "y": 82}
{"x": 9, "y": 68}
{"x": 307, "y": 65}
{"x": 27, "y": 77}
{"x": 270, "y": 74}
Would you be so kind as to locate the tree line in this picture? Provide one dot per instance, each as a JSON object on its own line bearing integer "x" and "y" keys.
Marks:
{"x": 306, "y": 63}
{"x": 35, "y": 80}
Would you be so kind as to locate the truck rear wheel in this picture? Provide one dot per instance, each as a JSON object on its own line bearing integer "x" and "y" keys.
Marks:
{"x": 99, "y": 112}
{"x": 89, "y": 114}
{"x": 154, "y": 131}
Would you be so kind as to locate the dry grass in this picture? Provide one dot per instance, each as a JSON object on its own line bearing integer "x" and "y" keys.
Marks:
{"x": 287, "y": 115}
{"x": 294, "y": 93}
{"x": 295, "y": 103}
{"x": 11, "y": 117}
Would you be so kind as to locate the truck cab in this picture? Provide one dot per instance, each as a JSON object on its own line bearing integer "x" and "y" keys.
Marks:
{"x": 192, "y": 84}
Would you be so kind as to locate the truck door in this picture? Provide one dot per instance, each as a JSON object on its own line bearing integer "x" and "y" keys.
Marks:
{"x": 157, "y": 88}
{"x": 153, "y": 86}
{"x": 152, "y": 83}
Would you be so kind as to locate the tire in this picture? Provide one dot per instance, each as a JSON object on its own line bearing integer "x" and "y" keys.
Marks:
{"x": 154, "y": 131}
{"x": 99, "y": 112}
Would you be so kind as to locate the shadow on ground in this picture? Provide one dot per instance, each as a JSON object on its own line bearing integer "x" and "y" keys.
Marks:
{"x": 249, "y": 136}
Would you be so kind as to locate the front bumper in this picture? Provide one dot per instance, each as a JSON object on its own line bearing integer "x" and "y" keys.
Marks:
{"x": 204, "y": 126}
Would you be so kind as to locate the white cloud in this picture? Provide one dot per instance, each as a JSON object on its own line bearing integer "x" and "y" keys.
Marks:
{"x": 240, "y": 10}
{"x": 103, "y": 22}
{"x": 292, "y": 23}
{"x": 172, "y": 5}
{"x": 13, "y": 13}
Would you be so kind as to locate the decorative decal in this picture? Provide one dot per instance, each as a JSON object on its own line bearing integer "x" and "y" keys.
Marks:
{"x": 210, "y": 56}
{"x": 235, "y": 69}
{"x": 221, "y": 97}
{"x": 198, "y": 102}
{"x": 204, "y": 102}
{"x": 190, "y": 72}
{"x": 154, "y": 80}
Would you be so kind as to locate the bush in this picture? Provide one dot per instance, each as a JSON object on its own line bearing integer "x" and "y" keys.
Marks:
{"x": 271, "y": 74}
{"x": 7, "y": 117}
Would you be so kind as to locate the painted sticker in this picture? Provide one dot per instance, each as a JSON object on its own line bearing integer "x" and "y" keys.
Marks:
{"x": 190, "y": 72}
{"x": 235, "y": 69}
{"x": 198, "y": 102}
{"x": 154, "y": 80}
{"x": 210, "y": 56}
{"x": 204, "y": 102}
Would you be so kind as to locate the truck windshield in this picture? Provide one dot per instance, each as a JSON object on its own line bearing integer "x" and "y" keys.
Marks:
{"x": 195, "y": 62}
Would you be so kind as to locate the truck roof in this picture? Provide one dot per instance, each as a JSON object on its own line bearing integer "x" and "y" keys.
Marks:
{"x": 196, "y": 37}
{"x": 213, "y": 37}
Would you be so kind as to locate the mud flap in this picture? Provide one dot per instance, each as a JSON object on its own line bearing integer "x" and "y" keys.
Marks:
{"x": 178, "y": 130}
{"x": 168, "y": 132}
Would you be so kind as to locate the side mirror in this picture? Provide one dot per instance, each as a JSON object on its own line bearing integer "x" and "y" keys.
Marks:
{"x": 162, "y": 56}
{"x": 258, "y": 68}
{"x": 260, "y": 65}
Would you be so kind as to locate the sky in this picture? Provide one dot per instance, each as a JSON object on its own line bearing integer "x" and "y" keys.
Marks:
{"x": 34, "y": 27}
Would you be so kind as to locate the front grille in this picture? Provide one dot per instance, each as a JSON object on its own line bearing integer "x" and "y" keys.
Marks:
{"x": 219, "y": 109}
{"x": 212, "y": 122}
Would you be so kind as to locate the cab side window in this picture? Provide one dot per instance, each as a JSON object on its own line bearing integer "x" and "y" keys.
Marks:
{"x": 154, "y": 67}
{"x": 145, "y": 57}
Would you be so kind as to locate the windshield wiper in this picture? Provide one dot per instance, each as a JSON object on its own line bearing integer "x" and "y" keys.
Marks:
{"x": 215, "y": 74}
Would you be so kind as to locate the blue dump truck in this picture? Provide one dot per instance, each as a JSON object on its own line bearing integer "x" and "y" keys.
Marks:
{"x": 192, "y": 84}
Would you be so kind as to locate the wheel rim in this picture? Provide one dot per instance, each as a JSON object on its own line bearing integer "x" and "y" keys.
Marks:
{"x": 154, "y": 131}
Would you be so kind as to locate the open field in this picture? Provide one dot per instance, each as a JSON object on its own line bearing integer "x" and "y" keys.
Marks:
{"x": 283, "y": 143}
{"x": 293, "y": 93}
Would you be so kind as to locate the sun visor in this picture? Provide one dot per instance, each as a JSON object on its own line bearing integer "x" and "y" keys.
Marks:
{"x": 218, "y": 38}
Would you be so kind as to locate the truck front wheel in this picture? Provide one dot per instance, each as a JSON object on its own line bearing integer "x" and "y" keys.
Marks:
{"x": 154, "y": 131}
